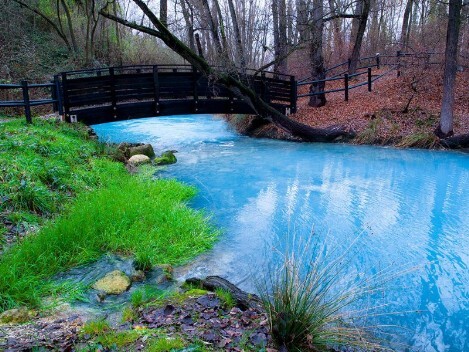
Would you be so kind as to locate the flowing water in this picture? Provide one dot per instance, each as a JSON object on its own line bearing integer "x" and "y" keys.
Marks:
{"x": 403, "y": 208}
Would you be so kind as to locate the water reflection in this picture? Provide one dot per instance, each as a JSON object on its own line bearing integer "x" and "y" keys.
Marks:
{"x": 410, "y": 208}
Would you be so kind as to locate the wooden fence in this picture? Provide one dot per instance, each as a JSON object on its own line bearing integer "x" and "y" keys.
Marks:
{"x": 26, "y": 102}
{"x": 340, "y": 72}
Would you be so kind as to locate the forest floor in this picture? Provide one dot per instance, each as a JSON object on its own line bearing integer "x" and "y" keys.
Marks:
{"x": 401, "y": 111}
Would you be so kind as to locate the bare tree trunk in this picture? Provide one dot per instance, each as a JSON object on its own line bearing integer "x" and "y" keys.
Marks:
{"x": 189, "y": 24}
{"x": 337, "y": 33}
{"x": 280, "y": 35}
{"x": 318, "y": 71}
{"x": 238, "y": 43}
{"x": 302, "y": 20}
{"x": 164, "y": 12}
{"x": 406, "y": 25}
{"x": 70, "y": 26}
{"x": 360, "y": 32}
{"x": 445, "y": 128}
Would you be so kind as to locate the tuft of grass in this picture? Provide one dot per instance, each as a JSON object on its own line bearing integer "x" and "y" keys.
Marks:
{"x": 146, "y": 294}
{"x": 95, "y": 327}
{"x": 129, "y": 315}
{"x": 49, "y": 164}
{"x": 370, "y": 134}
{"x": 117, "y": 340}
{"x": 226, "y": 297}
{"x": 419, "y": 140}
{"x": 307, "y": 300}
{"x": 165, "y": 345}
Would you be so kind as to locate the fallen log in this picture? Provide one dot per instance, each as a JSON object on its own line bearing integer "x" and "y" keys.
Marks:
{"x": 456, "y": 142}
{"x": 212, "y": 283}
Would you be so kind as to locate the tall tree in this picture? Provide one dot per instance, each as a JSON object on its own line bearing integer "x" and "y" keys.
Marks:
{"x": 363, "y": 18}
{"x": 318, "y": 71}
{"x": 445, "y": 127}
{"x": 279, "y": 14}
{"x": 405, "y": 32}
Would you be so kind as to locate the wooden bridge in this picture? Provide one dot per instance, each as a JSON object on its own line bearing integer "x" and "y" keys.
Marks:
{"x": 120, "y": 93}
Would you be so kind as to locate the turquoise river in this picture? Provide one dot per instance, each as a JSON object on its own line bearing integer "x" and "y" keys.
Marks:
{"x": 399, "y": 210}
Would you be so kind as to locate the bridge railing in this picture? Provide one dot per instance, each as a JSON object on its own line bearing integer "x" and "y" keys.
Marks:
{"x": 137, "y": 91}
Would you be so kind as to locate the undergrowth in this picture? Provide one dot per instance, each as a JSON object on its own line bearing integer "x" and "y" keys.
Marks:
{"x": 45, "y": 166}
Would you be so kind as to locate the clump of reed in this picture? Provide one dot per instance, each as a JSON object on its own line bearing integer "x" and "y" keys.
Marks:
{"x": 311, "y": 301}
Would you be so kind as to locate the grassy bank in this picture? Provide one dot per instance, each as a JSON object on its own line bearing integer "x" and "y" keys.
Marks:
{"x": 52, "y": 168}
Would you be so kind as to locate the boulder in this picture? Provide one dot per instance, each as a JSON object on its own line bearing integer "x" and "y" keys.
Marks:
{"x": 16, "y": 316}
{"x": 139, "y": 159}
{"x": 138, "y": 275}
{"x": 113, "y": 283}
{"x": 145, "y": 149}
{"x": 166, "y": 158}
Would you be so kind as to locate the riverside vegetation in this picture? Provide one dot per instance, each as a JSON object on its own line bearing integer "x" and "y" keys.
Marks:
{"x": 54, "y": 177}
{"x": 65, "y": 203}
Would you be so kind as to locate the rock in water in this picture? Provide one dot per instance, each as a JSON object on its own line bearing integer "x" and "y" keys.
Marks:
{"x": 145, "y": 149}
{"x": 139, "y": 159}
{"x": 113, "y": 283}
{"x": 166, "y": 158}
{"x": 16, "y": 316}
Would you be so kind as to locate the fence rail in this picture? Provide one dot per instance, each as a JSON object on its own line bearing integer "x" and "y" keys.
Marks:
{"x": 55, "y": 96}
{"x": 396, "y": 62}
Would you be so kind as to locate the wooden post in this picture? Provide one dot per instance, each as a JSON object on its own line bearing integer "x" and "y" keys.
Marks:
{"x": 293, "y": 94}
{"x": 27, "y": 106}
{"x": 156, "y": 89}
{"x": 113, "y": 92}
{"x": 53, "y": 95}
{"x": 58, "y": 92}
{"x": 369, "y": 79}
{"x": 66, "y": 104}
{"x": 346, "y": 86}
{"x": 378, "y": 61}
{"x": 349, "y": 63}
{"x": 398, "y": 54}
{"x": 194, "y": 88}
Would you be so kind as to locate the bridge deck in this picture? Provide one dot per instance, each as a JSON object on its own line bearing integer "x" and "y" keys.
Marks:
{"x": 119, "y": 93}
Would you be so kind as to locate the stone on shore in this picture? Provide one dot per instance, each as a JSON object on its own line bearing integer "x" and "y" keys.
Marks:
{"x": 139, "y": 159}
{"x": 113, "y": 283}
{"x": 145, "y": 149}
{"x": 16, "y": 316}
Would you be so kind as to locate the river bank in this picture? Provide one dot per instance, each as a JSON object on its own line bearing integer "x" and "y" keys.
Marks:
{"x": 400, "y": 111}
{"x": 65, "y": 203}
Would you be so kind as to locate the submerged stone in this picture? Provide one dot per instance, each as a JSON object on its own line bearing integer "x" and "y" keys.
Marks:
{"x": 113, "y": 283}
{"x": 166, "y": 158}
{"x": 139, "y": 159}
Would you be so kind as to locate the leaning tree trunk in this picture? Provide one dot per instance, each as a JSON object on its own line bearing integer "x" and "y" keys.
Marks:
{"x": 318, "y": 72}
{"x": 445, "y": 128}
{"x": 231, "y": 82}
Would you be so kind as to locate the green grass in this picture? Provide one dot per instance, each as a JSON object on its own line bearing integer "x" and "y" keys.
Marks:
{"x": 165, "y": 345}
{"x": 112, "y": 211}
{"x": 146, "y": 294}
{"x": 95, "y": 327}
{"x": 226, "y": 297}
